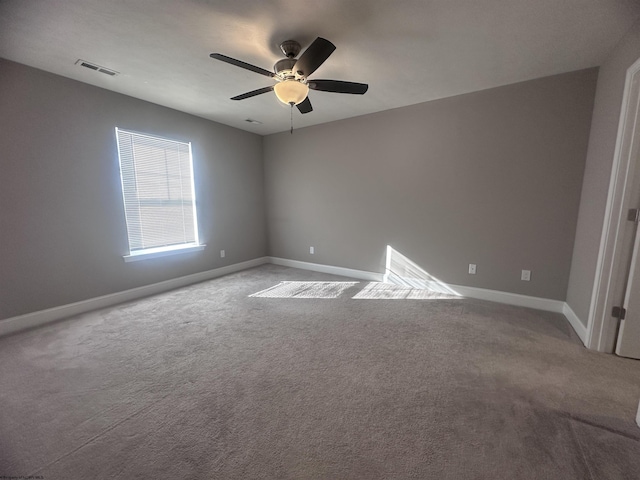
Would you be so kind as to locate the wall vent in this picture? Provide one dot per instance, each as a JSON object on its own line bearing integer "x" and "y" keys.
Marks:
{"x": 97, "y": 68}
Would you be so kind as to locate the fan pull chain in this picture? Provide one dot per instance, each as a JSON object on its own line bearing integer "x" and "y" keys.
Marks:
{"x": 291, "y": 118}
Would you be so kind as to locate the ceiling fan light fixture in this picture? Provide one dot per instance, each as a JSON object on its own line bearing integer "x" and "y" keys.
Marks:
{"x": 292, "y": 75}
{"x": 291, "y": 92}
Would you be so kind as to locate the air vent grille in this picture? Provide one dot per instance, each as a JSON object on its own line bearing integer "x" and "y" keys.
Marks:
{"x": 97, "y": 68}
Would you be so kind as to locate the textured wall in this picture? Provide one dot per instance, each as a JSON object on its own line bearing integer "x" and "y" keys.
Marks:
{"x": 602, "y": 143}
{"x": 491, "y": 178}
{"x": 62, "y": 226}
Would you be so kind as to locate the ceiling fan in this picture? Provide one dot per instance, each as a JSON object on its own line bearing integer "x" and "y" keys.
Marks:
{"x": 292, "y": 74}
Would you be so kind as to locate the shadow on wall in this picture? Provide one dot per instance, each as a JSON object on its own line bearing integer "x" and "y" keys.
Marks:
{"x": 403, "y": 279}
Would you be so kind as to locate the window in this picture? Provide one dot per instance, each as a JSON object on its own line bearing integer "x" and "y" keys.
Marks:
{"x": 159, "y": 197}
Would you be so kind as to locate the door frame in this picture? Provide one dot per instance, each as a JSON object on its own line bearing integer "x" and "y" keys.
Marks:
{"x": 601, "y": 326}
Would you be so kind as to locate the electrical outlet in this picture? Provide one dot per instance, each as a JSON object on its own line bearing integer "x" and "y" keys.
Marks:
{"x": 526, "y": 275}
{"x": 472, "y": 269}
{"x": 312, "y": 250}
{"x": 222, "y": 253}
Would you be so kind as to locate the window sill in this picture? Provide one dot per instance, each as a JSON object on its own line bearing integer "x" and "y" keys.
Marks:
{"x": 161, "y": 252}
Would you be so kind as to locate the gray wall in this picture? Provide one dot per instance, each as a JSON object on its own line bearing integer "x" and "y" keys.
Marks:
{"x": 602, "y": 142}
{"x": 62, "y": 226}
{"x": 491, "y": 178}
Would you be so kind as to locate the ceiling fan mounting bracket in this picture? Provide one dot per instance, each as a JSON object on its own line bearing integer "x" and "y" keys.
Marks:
{"x": 290, "y": 48}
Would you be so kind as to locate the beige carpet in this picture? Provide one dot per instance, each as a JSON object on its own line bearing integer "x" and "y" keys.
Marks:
{"x": 208, "y": 382}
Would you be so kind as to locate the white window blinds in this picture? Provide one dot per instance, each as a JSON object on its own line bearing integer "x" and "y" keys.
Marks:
{"x": 158, "y": 191}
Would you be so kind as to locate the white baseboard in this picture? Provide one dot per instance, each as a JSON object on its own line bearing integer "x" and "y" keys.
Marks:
{"x": 538, "y": 303}
{"x": 546, "y": 304}
{"x": 575, "y": 322}
{"x": 470, "y": 292}
{"x": 317, "y": 267}
{"x": 29, "y": 320}
{"x": 34, "y": 319}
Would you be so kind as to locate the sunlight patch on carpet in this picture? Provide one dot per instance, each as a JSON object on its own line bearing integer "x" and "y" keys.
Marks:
{"x": 305, "y": 290}
{"x": 386, "y": 291}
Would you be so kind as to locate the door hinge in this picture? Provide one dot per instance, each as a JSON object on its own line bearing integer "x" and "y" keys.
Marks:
{"x": 633, "y": 215}
{"x": 619, "y": 312}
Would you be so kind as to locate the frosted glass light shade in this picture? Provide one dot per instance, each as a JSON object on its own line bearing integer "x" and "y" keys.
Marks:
{"x": 291, "y": 91}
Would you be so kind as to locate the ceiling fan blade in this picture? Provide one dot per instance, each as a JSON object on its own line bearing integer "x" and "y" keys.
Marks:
{"x": 241, "y": 64}
{"x": 305, "y": 106}
{"x": 253, "y": 93}
{"x": 313, "y": 57}
{"x": 338, "y": 86}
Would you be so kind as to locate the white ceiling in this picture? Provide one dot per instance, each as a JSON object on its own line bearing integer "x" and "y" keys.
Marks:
{"x": 408, "y": 51}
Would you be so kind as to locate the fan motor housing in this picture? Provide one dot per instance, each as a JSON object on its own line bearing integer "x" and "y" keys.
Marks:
{"x": 284, "y": 67}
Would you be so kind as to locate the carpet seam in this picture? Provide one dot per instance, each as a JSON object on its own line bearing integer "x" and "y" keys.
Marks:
{"x": 98, "y": 435}
{"x": 602, "y": 427}
{"x": 581, "y": 450}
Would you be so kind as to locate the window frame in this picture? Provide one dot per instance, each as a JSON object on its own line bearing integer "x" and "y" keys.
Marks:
{"x": 165, "y": 250}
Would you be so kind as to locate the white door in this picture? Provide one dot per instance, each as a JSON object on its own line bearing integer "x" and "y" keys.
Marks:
{"x": 628, "y": 344}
